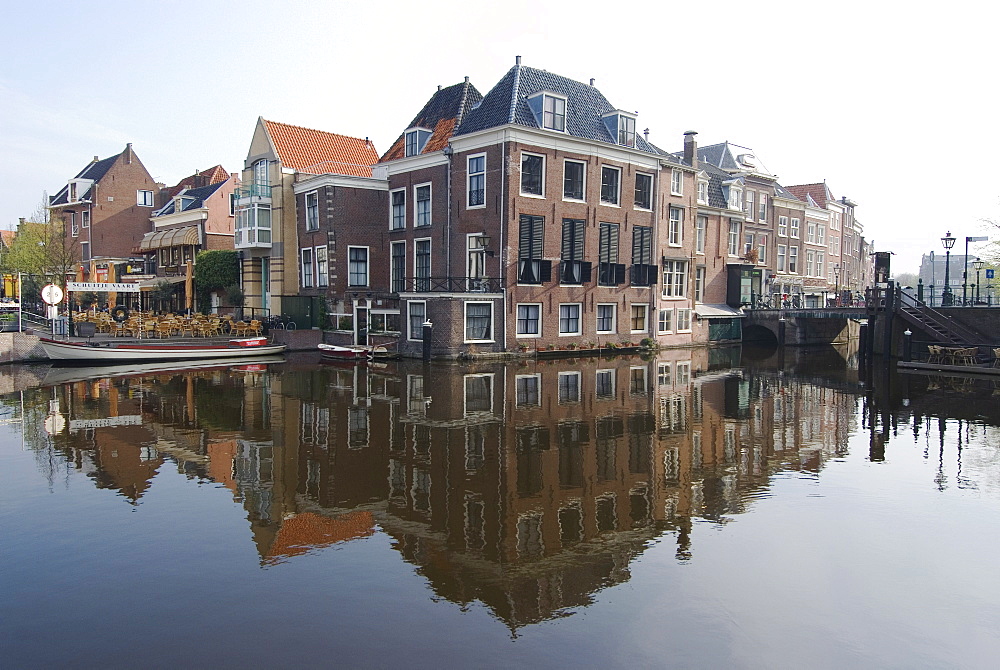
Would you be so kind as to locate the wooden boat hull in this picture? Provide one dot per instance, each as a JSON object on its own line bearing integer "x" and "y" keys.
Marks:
{"x": 128, "y": 353}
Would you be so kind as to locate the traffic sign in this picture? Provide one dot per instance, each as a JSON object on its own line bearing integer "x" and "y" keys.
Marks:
{"x": 52, "y": 294}
{"x": 989, "y": 273}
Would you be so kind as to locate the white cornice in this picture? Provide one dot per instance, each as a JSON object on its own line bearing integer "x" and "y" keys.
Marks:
{"x": 342, "y": 181}
{"x": 188, "y": 216}
{"x": 418, "y": 162}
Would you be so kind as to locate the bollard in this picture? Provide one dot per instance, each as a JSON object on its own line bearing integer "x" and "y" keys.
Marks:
{"x": 907, "y": 345}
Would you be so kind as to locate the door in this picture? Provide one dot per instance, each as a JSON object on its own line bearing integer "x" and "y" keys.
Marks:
{"x": 361, "y": 325}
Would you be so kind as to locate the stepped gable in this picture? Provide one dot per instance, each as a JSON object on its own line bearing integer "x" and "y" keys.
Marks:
{"x": 319, "y": 152}
{"x": 441, "y": 115}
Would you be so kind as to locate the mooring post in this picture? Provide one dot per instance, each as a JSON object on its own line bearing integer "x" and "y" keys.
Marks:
{"x": 907, "y": 345}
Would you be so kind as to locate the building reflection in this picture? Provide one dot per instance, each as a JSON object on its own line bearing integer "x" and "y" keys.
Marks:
{"x": 527, "y": 486}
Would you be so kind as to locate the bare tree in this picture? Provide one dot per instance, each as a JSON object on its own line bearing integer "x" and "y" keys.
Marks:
{"x": 43, "y": 247}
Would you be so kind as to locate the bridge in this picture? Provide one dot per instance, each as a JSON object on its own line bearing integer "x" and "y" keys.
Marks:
{"x": 803, "y": 325}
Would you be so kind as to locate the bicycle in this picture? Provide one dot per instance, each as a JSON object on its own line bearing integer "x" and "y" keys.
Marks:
{"x": 283, "y": 322}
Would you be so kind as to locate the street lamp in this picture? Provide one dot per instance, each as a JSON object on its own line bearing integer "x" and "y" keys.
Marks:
{"x": 977, "y": 265}
{"x": 836, "y": 276}
{"x": 948, "y": 241}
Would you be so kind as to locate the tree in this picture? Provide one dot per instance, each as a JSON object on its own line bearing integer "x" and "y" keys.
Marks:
{"x": 43, "y": 247}
{"x": 906, "y": 279}
{"x": 215, "y": 271}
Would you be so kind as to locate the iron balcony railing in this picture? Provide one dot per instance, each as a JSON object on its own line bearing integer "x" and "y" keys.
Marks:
{"x": 446, "y": 285}
{"x": 253, "y": 191}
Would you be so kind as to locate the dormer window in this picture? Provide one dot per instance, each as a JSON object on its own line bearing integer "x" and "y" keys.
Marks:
{"x": 702, "y": 189}
{"x": 416, "y": 140}
{"x": 621, "y": 126}
{"x": 549, "y": 111}
{"x": 734, "y": 195}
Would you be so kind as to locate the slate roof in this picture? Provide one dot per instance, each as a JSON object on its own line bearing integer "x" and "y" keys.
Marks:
{"x": 320, "y": 152}
{"x": 197, "y": 194}
{"x": 507, "y": 103}
{"x": 716, "y": 196}
{"x": 212, "y": 175}
{"x": 442, "y": 114}
{"x": 782, "y": 192}
{"x": 94, "y": 170}
{"x": 724, "y": 156}
{"x": 820, "y": 193}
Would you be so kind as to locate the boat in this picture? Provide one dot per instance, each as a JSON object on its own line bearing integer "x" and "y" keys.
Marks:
{"x": 345, "y": 353}
{"x": 111, "y": 352}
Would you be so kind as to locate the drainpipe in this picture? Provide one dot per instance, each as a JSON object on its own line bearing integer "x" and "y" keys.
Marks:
{"x": 502, "y": 270}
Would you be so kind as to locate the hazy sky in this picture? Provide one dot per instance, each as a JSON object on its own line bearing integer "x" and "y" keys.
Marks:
{"x": 894, "y": 106}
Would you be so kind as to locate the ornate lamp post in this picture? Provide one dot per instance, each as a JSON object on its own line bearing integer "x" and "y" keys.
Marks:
{"x": 946, "y": 297}
{"x": 836, "y": 276}
{"x": 977, "y": 265}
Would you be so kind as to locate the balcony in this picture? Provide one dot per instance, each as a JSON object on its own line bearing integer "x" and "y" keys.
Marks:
{"x": 447, "y": 285}
{"x": 253, "y": 192}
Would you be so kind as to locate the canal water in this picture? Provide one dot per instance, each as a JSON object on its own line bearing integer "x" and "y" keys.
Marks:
{"x": 700, "y": 508}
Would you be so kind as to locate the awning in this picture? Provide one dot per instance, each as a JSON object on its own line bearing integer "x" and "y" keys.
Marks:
{"x": 173, "y": 237}
{"x": 718, "y": 312}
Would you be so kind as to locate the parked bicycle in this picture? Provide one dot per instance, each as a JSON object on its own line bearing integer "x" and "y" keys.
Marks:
{"x": 280, "y": 322}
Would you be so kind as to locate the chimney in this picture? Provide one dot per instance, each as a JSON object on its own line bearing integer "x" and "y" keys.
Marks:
{"x": 645, "y": 135}
{"x": 96, "y": 158}
{"x": 691, "y": 148}
{"x": 128, "y": 153}
{"x": 592, "y": 81}
{"x": 517, "y": 61}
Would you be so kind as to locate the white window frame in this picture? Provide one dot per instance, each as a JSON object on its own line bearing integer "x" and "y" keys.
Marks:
{"x": 312, "y": 211}
{"x": 583, "y": 186}
{"x": 700, "y": 274}
{"x": 579, "y": 387}
{"x": 735, "y": 198}
{"x": 144, "y": 198}
{"x": 517, "y": 320}
{"x": 810, "y": 262}
{"x": 614, "y": 318}
{"x": 308, "y": 271}
{"x": 579, "y": 319}
{"x": 85, "y": 219}
{"x": 781, "y": 262}
{"x": 782, "y": 226}
{"x": 733, "y": 237}
{"x": 618, "y": 186}
{"x": 793, "y": 228}
{"x": 538, "y": 390}
{"x": 793, "y": 260}
{"x": 368, "y": 264}
{"x": 762, "y": 207}
{"x": 612, "y": 383}
{"x": 748, "y": 198}
{"x": 469, "y": 174}
{"x": 430, "y": 261}
{"x": 322, "y": 267}
{"x": 683, "y": 324}
{"x": 465, "y": 321}
{"x": 528, "y": 194}
{"x": 644, "y": 308}
{"x": 674, "y": 284}
{"x": 74, "y": 227}
{"x": 393, "y": 210}
{"x": 675, "y": 228}
{"x": 676, "y": 182}
{"x": 416, "y": 205}
{"x": 649, "y": 207}
{"x": 762, "y": 248}
{"x": 811, "y": 232}
{"x": 702, "y": 192}
{"x": 665, "y": 317}
{"x": 821, "y": 234}
{"x": 700, "y": 233}
{"x": 553, "y": 114}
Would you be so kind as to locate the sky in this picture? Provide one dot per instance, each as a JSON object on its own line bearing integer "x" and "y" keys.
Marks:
{"x": 894, "y": 108}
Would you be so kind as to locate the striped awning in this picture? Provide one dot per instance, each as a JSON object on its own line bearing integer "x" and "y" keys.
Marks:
{"x": 173, "y": 237}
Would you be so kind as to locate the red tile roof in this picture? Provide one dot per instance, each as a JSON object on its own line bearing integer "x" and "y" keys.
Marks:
{"x": 7, "y": 237}
{"x": 198, "y": 179}
{"x": 305, "y": 532}
{"x": 319, "y": 152}
{"x": 819, "y": 192}
{"x": 437, "y": 141}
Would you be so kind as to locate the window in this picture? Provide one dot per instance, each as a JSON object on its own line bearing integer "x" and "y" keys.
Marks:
{"x": 793, "y": 259}
{"x": 684, "y": 318}
{"x": 85, "y": 219}
{"x": 397, "y": 267}
{"x": 811, "y": 232}
{"x": 476, "y": 263}
{"x": 643, "y": 271}
{"x": 674, "y": 279}
{"x": 820, "y": 263}
{"x": 748, "y": 242}
{"x": 574, "y": 178}
{"x": 569, "y": 387}
{"x": 643, "y": 191}
{"x": 663, "y": 374}
{"x": 664, "y": 322}
{"x": 569, "y": 319}
{"x": 702, "y": 192}
{"x": 418, "y": 314}
{"x": 260, "y": 176}
{"x": 422, "y": 265}
{"x": 610, "y": 273}
{"x": 699, "y": 284}
{"x": 554, "y": 113}
{"x": 529, "y": 320}
{"x": 477, "y": 181}
{"x": 74, "y": 225}
{"x": 700, "y": 229}
{"x": 783, "y": 226}
{"x": 626, "y": 130}
{"x": 637, "y": 381}
{"x": 531, "y": 269}
{"x": 810, "y": 262}
{"x": 735, "y": 198}
{"x": 762, "y": 249}
{"x": 307, "y": 268}
{"x": 322, "y": 267}
{"x": 411, "y": 143}
{"x": 610, "y": 182}
{"x": 357, "y": 266}
{"x": 734, "y": 237}
{"x": 573, "y": 270}
{"x": 821, "y": 235}
{"x": 780, "y": 265}
{"x": 422, "y": 206}
{"x": 604, "y": 386}
{"x": 144, "y": 198}
{"x": 638, "y": 319}
{"x": 478, "y": 321}
{"x": 762, "y": 214}
{"x": 528, "y": 387}
{"x": 606, "y": 318}
{"x": 748, "y": 201}
{"x": 398, "y": 219}
{"x": 675, "y": 227}
{"x": 676, "y": 182}
{"x": 312, "y": 211}
{"x": 532, "y": 174}
{"x": 793, "y": 229}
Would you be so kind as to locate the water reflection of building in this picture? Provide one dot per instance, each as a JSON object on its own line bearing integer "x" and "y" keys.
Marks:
{"x": 528, "y": 487}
